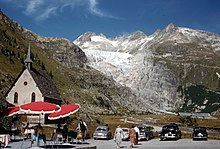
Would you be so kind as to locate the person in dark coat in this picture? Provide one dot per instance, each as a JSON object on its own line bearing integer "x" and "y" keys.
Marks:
{"x": 65, "y": 132}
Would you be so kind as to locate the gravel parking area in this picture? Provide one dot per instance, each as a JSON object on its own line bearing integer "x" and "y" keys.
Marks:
{"x": 156, "y": 144}
{"x": 151, "y": 144}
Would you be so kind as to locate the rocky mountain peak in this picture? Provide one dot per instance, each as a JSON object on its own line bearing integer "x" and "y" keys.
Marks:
{"x": 85, "y": 37}
{"x": 171, "y": 27}
{"x": 139, "y": 34}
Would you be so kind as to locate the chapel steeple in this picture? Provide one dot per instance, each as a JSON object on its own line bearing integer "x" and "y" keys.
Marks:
{"x": 28, "y": 62}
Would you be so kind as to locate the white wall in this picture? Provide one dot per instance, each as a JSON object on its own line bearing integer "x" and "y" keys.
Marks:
{"x": 24, "y": 91}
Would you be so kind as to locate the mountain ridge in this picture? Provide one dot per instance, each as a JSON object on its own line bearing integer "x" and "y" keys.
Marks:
{"x": 150, "y": 57}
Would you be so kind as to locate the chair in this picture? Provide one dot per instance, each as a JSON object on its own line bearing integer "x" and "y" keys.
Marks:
{"x": 1, "y": 143}
{"x": 23, "y": 136}
{"x": 57, "y": 138}
{"x": 72, "y": 136}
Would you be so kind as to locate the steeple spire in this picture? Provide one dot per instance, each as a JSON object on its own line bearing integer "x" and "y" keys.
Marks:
{"x": 28, "y": 61}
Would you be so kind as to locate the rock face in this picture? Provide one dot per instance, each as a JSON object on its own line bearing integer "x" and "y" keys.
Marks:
{"x": 157, "y": 67}
{"x": 63, "y": 51}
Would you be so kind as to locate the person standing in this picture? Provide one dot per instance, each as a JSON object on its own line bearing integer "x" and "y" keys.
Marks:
{"x": 41, "y": 133}
{"x": 132, "y": 135}
{"x": 57, "y": 134}
{"x": 118, "y": 136}
{"x": 137, "y": 131}
{"x": 34, "y": 136}
{"x": 59, "y": 129}
{"x": 83, "y": 129}
{"x": 65, "y": 133}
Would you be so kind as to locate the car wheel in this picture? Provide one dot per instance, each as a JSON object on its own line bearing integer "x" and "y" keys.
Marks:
{"x": 152, "y": 136}
{"x": 180, "y": 136}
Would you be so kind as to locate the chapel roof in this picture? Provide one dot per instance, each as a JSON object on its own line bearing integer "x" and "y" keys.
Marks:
{"x": 45, "y": 84}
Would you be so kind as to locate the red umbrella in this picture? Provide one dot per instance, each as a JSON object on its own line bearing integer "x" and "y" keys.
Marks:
{"x": 12, "y": 111}
{"x": 40, "y": 107}
{"x": 65, "y": 111}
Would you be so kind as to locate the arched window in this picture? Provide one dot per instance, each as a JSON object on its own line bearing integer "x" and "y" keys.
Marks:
{"x": 16, "y": 97}
{"x": 33, "y": 97}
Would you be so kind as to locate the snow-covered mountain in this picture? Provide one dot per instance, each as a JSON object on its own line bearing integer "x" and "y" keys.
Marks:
{"x": 156, "y": 66}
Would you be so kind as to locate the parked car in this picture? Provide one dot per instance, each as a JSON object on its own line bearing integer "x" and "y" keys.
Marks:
{"x": 125, "y": 134}
{"x": 145, "y": 132}
{"x": 199, "y": 133}
{"x": 170, "y": 131}
{"x": 102, "y": 132}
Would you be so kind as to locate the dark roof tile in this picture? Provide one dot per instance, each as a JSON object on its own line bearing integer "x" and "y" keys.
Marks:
{"x": 45, "y": 84}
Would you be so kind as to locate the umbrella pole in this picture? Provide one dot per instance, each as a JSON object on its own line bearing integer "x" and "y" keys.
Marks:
{"x": 39, "y": 118}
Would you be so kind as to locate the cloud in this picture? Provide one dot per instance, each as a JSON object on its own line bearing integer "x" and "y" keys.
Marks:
{"x": 47, "y": 13}
{"x": 93, "y": 8}
{"x": 41, "y": 10}
{"x": 32, "y": 6}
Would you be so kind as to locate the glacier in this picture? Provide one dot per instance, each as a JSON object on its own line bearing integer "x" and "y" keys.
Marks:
{"x": 135, "y": 62}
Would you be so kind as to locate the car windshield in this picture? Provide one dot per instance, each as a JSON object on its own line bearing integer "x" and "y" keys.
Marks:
{"x": 169, "y": 127}
{"x": 199, "y": 129}
{"x": 125, "y": 130}
{"x": 101, "y": 129}
{"x": 144, "y": 128}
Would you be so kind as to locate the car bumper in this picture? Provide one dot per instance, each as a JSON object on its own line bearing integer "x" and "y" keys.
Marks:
{"x": 169, "y": 136}
{"x": 141, "y": 137}
{"x": 200, "y": 137}
{"x": 100, "y": 137}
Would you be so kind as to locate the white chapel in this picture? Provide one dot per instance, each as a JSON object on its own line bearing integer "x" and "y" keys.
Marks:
{"x": 32, "y": 85}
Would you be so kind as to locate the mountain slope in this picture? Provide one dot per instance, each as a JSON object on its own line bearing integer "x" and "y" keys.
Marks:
{"x": 64, "y": 61}
{"x": 156, "y": 67}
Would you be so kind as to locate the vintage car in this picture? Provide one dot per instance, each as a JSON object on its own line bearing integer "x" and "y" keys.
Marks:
{"x": 125, "y": 134}
{"x": 145, "y": 132}
{"x": 199, "y": 133}
{"x": 170, "y": 131}
{"x": 102, "y": 132}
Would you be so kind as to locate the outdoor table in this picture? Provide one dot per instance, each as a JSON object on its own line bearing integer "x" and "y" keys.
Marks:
{"x": 5, "y": 138}
{"x": 28, "y": 131}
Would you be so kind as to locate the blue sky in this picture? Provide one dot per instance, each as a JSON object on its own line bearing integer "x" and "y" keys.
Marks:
{"x": 71, "y": 18}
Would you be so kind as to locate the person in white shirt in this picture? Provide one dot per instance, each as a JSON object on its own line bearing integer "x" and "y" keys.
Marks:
{"x": 137, "y": 134}
{"x": 83, "y": 129}
{"x": 118, "y": 136}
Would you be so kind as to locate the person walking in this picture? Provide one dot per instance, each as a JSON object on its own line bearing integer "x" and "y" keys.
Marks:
{"x": 132, "y": 135}
{"x": 137, "y": 131}
{"x": 83, "y": 129}
{"x": 118, "y": 136}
